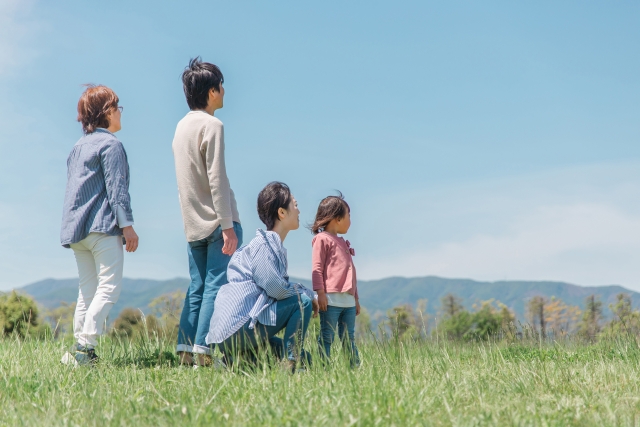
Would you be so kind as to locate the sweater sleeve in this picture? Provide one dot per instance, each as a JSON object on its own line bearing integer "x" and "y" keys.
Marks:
{"x": 318, "y": 257}
{"x": 213, "y": 150}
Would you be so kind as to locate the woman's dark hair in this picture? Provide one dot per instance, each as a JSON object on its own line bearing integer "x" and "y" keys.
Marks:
{"x": 197, "y": 79}
{"x": 274, "y": 196}
{"x": 330, "y": 208}
{"x": 94, "y": 106}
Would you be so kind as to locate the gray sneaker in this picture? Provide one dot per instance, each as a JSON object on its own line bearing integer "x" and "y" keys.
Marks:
{"x": 86, "y": 356}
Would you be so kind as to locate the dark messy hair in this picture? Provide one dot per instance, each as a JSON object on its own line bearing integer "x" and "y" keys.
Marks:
{"x": 197, "y": 79}
{"x": 95, "y": 104}
{"x": 330, "y": 208}
{"x": 274, "y": 196}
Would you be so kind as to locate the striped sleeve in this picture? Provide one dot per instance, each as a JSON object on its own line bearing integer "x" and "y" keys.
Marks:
{"x": 116, "y": 175}
{"x": 267, "y": 275}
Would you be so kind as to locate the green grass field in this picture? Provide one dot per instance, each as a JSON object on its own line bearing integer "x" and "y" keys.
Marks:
{"x": 427, "y": 383}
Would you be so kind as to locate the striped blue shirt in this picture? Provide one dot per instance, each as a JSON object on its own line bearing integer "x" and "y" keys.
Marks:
{"x": 97, "y": 188}
{"x": 258, "y": 278}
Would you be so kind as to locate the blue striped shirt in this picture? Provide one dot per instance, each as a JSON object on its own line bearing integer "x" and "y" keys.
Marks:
{"x": 97, "y": 188}
{"x": 258, "y": 278}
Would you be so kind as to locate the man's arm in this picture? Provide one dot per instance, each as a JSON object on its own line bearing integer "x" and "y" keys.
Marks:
{"x": 213, "y": 149}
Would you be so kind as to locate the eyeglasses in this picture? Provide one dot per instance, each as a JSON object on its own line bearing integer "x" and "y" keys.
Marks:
{"x": 120, "y": 108}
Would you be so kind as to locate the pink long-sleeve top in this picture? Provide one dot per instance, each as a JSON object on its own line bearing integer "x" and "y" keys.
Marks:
{"x": 333, "y": 268}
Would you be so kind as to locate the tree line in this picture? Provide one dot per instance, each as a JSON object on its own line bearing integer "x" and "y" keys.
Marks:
{"x": 546, "y": 318}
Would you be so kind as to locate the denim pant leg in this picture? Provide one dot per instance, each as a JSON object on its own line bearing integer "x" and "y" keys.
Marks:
{"x": 216, "y": 276}
{"x": 197, "y": 252}
{"x": 347, "y": 334}
{"x": 328, "y": 327}
{"x": 292, "y": 315}
{"x": 208, "y": 271}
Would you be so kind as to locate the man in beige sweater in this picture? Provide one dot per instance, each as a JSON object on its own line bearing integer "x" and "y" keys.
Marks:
{"x": 209, "y": 211}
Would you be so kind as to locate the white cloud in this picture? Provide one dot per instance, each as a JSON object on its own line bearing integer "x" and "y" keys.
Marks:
{"x": 580, "y": 225}
{"x": 585, "y": 244}
{"x": 16, "y": 29}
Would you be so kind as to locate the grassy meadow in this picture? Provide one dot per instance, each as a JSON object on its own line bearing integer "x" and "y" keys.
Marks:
{"x": 429, "y": 382}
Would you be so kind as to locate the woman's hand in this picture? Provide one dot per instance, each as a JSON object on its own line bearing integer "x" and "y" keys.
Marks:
{"x": 131, "y": 238}
{"x": 357, "y": 307}
{"x": 314, "y": 304}
{"x": 322, "y": 301}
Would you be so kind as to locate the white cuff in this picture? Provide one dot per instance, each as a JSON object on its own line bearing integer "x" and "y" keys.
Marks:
{"x": 121, "y": 216}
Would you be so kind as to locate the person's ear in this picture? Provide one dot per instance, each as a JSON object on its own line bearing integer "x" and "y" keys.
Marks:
{"x": 281, "y": 213}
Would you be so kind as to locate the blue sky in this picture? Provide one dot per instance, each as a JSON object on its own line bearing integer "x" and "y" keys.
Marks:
{"x": 488, "y": 140}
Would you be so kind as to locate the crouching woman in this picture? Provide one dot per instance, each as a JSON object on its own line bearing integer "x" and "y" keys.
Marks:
{"x": 259, "y": 301}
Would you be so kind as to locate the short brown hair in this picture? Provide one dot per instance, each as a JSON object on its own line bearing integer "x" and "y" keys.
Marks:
{"x": 274, "y": 196}
{"x": 330, "y": 208}
{"x": 94, "y": 105}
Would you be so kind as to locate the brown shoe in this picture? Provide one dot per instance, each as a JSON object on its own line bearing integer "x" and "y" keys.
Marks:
{"x": 185, "y": 358}
{"x": 204, "y": 360}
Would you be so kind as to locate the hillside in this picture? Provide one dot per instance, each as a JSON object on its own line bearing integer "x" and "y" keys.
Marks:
{"x": 136, "y": 293}
{"x": 377, "y": 295}
{"x": 380, "y": 295}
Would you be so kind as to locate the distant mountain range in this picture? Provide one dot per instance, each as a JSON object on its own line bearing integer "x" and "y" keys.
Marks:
{"x": 377, "y": 296}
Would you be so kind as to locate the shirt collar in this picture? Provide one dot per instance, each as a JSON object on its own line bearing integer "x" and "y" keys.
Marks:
{"x": 103, "y": 130}
{"x": 273, "y": 240}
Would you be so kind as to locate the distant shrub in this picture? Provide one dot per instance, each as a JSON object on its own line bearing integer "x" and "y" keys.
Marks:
{"x": 61, "y": 319}
{"x": 168, "y": 308}
{"x": 489, "y": 320}
{"x": 132, "y": 323}
{"x": 19, "y": 315}
{"x": 626, "y": 320}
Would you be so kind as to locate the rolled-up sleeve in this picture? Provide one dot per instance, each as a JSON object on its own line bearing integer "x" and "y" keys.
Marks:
{"x": 116, "y": 175}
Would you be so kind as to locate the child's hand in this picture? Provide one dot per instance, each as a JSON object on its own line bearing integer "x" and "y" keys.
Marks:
{"x": 357, "y": 307}
{"x": 314, "y": 304}
{"x": 322, "y": 301}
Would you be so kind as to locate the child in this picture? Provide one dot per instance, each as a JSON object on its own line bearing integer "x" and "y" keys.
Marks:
{"x": 334, "y": 276}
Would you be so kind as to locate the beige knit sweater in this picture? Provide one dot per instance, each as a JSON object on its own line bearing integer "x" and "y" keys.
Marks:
{"x": 206, "y": 198}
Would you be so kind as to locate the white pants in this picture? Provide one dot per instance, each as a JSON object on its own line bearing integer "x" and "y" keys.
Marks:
{"x": 100, "y": 260}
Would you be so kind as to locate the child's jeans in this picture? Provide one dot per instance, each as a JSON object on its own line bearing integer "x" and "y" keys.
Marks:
{"x": 342, "y": 320}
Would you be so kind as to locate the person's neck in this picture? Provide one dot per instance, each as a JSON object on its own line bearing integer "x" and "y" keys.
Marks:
{"x": 331, "y": 230}
{"x": 209, "y": 109}
{"x": 281, "y": 231}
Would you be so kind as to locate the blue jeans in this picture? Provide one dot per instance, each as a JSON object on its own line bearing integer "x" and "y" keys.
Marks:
{"x": 208, "y": 271}
{"x": 342, "y": 320}
{"x": 292, "y": 315}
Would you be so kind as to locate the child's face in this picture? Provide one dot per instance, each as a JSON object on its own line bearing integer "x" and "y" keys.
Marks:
{"x": 344, "y": 223}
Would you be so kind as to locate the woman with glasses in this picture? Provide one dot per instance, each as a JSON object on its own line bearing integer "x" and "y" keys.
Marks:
{"x": 97, "y": 220}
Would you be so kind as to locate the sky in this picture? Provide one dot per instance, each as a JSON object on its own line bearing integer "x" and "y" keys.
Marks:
{"x": 486, "y": 140}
